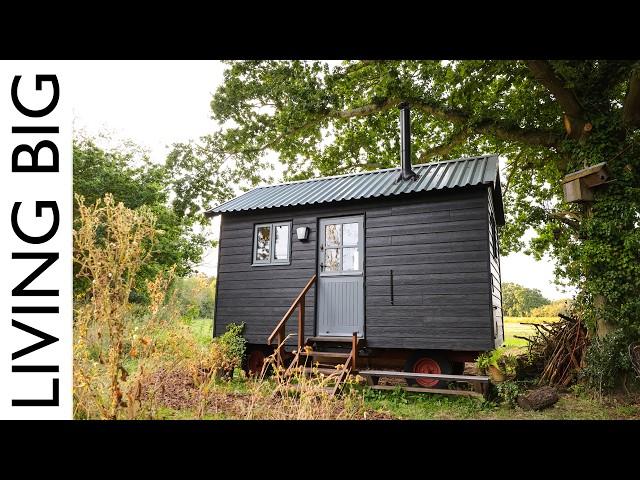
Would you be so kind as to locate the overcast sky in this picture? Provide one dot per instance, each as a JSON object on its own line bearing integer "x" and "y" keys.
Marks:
{"x": 157, "y": 103}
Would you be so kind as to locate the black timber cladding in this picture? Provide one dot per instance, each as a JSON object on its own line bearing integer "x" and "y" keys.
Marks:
{"x": 495, "y": 277}
{"x": 435, "y": 242}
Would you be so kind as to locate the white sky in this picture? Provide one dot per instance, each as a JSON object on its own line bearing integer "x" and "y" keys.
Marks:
{"x": 157, "y": 103}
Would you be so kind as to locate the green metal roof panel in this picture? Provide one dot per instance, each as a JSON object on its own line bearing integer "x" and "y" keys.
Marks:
{"x": 379, "y": 183}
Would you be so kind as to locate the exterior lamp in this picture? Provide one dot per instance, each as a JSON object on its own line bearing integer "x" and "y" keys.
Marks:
{"x": 302, "y": 233}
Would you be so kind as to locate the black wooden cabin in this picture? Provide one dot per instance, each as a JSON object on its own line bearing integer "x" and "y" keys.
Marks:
{"x": 410, "y": 263}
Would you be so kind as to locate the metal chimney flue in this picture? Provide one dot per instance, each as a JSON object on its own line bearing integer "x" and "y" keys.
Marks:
{"x": 406, "y": 172}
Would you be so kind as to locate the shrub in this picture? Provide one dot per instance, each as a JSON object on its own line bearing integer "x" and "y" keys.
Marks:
{"x": 606, "y": 360}
{"x": 233, "y": 345}
{"x": 508, "y": 392}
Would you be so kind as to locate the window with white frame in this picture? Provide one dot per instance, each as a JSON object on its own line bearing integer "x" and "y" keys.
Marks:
{"x": 272, "y": 243}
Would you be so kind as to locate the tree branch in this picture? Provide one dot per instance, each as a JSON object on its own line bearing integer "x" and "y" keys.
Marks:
{"x": 501, "y": 130}
{"x": 365, "y": 110}
{"x": 575, "y": 116}
{"x": 631, "y": 109}
{"x": 444, "y": 148}
{"x": 563, "y": 217}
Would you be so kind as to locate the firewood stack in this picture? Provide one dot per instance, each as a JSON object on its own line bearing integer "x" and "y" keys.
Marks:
{"x": 557, "y": 351}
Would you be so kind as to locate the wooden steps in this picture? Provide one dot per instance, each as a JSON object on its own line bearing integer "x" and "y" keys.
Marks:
{"x": 330, "y": 340}
{"x": 318, "y": 353}
{"x": 347, "y": 359}
{"x": 320, "y": 370}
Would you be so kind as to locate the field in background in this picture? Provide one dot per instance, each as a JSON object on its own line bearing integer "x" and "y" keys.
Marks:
{"x": 522, "y": 327}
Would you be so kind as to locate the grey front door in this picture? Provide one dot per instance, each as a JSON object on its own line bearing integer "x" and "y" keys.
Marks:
{"x": 341, "y": 276}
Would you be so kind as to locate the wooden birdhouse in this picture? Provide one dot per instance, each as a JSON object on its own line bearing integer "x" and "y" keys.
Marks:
{"x": 578, "y": 185}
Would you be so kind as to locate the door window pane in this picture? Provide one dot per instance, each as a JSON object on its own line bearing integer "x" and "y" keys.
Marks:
{"x": 282, "y": 242}
{"x": 350, "y": 234}
{"x": 263, "y": 243}
{"x": 333, "y": 234}
{"x": 332, "y": 260}
{"x": 350, "y": 259}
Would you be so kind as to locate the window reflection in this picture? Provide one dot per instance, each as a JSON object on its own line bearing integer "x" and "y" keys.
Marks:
{"x": 350, "y": 234}
{"x": 332, "y": 260}
{"x": 282, "y": 242}
{"x": 332, "y": 235}
{"x": 263, "y": 243}
{"x": 350, "y": 259}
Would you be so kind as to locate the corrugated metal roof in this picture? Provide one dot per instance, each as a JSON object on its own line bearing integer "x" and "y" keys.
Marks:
{"x": 461, "y": 172}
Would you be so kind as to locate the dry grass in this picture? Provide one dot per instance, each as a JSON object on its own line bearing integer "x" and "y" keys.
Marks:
{"x": 110, "y": 247}
{"x": 123, "y": 355}
{"x": 294, "y": 393}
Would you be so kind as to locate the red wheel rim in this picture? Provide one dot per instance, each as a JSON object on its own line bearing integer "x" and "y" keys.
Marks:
{"x": 255, "y": 362}
{"x": 427, "y": 365}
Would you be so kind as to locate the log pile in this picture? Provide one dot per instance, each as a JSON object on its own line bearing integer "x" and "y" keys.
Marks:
{"x": 557, "y": 351}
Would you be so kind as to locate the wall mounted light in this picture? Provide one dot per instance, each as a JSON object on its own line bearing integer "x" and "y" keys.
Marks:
{"x": 302, "y": 233}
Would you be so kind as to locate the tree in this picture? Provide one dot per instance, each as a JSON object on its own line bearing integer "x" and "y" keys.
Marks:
{"x": 518, "y": 301}
{"x": 136, "y": 182}
{"x": 547, "y": 118}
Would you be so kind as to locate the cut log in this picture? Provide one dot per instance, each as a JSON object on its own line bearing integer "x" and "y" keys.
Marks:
{"x": 538, "y": 399}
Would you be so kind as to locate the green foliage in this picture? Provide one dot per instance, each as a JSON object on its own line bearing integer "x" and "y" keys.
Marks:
{"x": 233, "y": 343}
{"x": 202, "y": 329}
{"x": 552, "y": 309}
{"x": 195, "y": 296}
{"x": 499, "y": 359}
{"x": 483, "y": 361}
{"x": 402, "y": 404}
{"x": 508, "y": 392}
{"x": 518, "y": 301}
{"x": 607, "y": 360}
{"x": 135, "y": 181}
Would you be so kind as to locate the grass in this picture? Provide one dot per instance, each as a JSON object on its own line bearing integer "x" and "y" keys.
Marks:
{"x": 531, "y": 319}
{"x": 415, "y": 406}
{"x": 202, "y": 329}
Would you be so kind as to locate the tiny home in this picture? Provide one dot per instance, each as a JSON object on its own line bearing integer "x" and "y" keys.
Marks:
{"x": 405, "y": 259}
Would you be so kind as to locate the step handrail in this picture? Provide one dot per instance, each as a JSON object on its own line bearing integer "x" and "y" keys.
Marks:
{"x": 297, "y": 303}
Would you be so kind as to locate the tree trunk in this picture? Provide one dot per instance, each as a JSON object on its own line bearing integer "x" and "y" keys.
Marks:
{"x": 602, "y": 327}
{"x": 538, "y": 399}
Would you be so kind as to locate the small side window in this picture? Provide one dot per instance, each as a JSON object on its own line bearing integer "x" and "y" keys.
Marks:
{"x": 272, "y": 243}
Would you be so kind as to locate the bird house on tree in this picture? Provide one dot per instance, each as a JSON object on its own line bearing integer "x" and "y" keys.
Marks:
{"x": 577, "y": 186}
